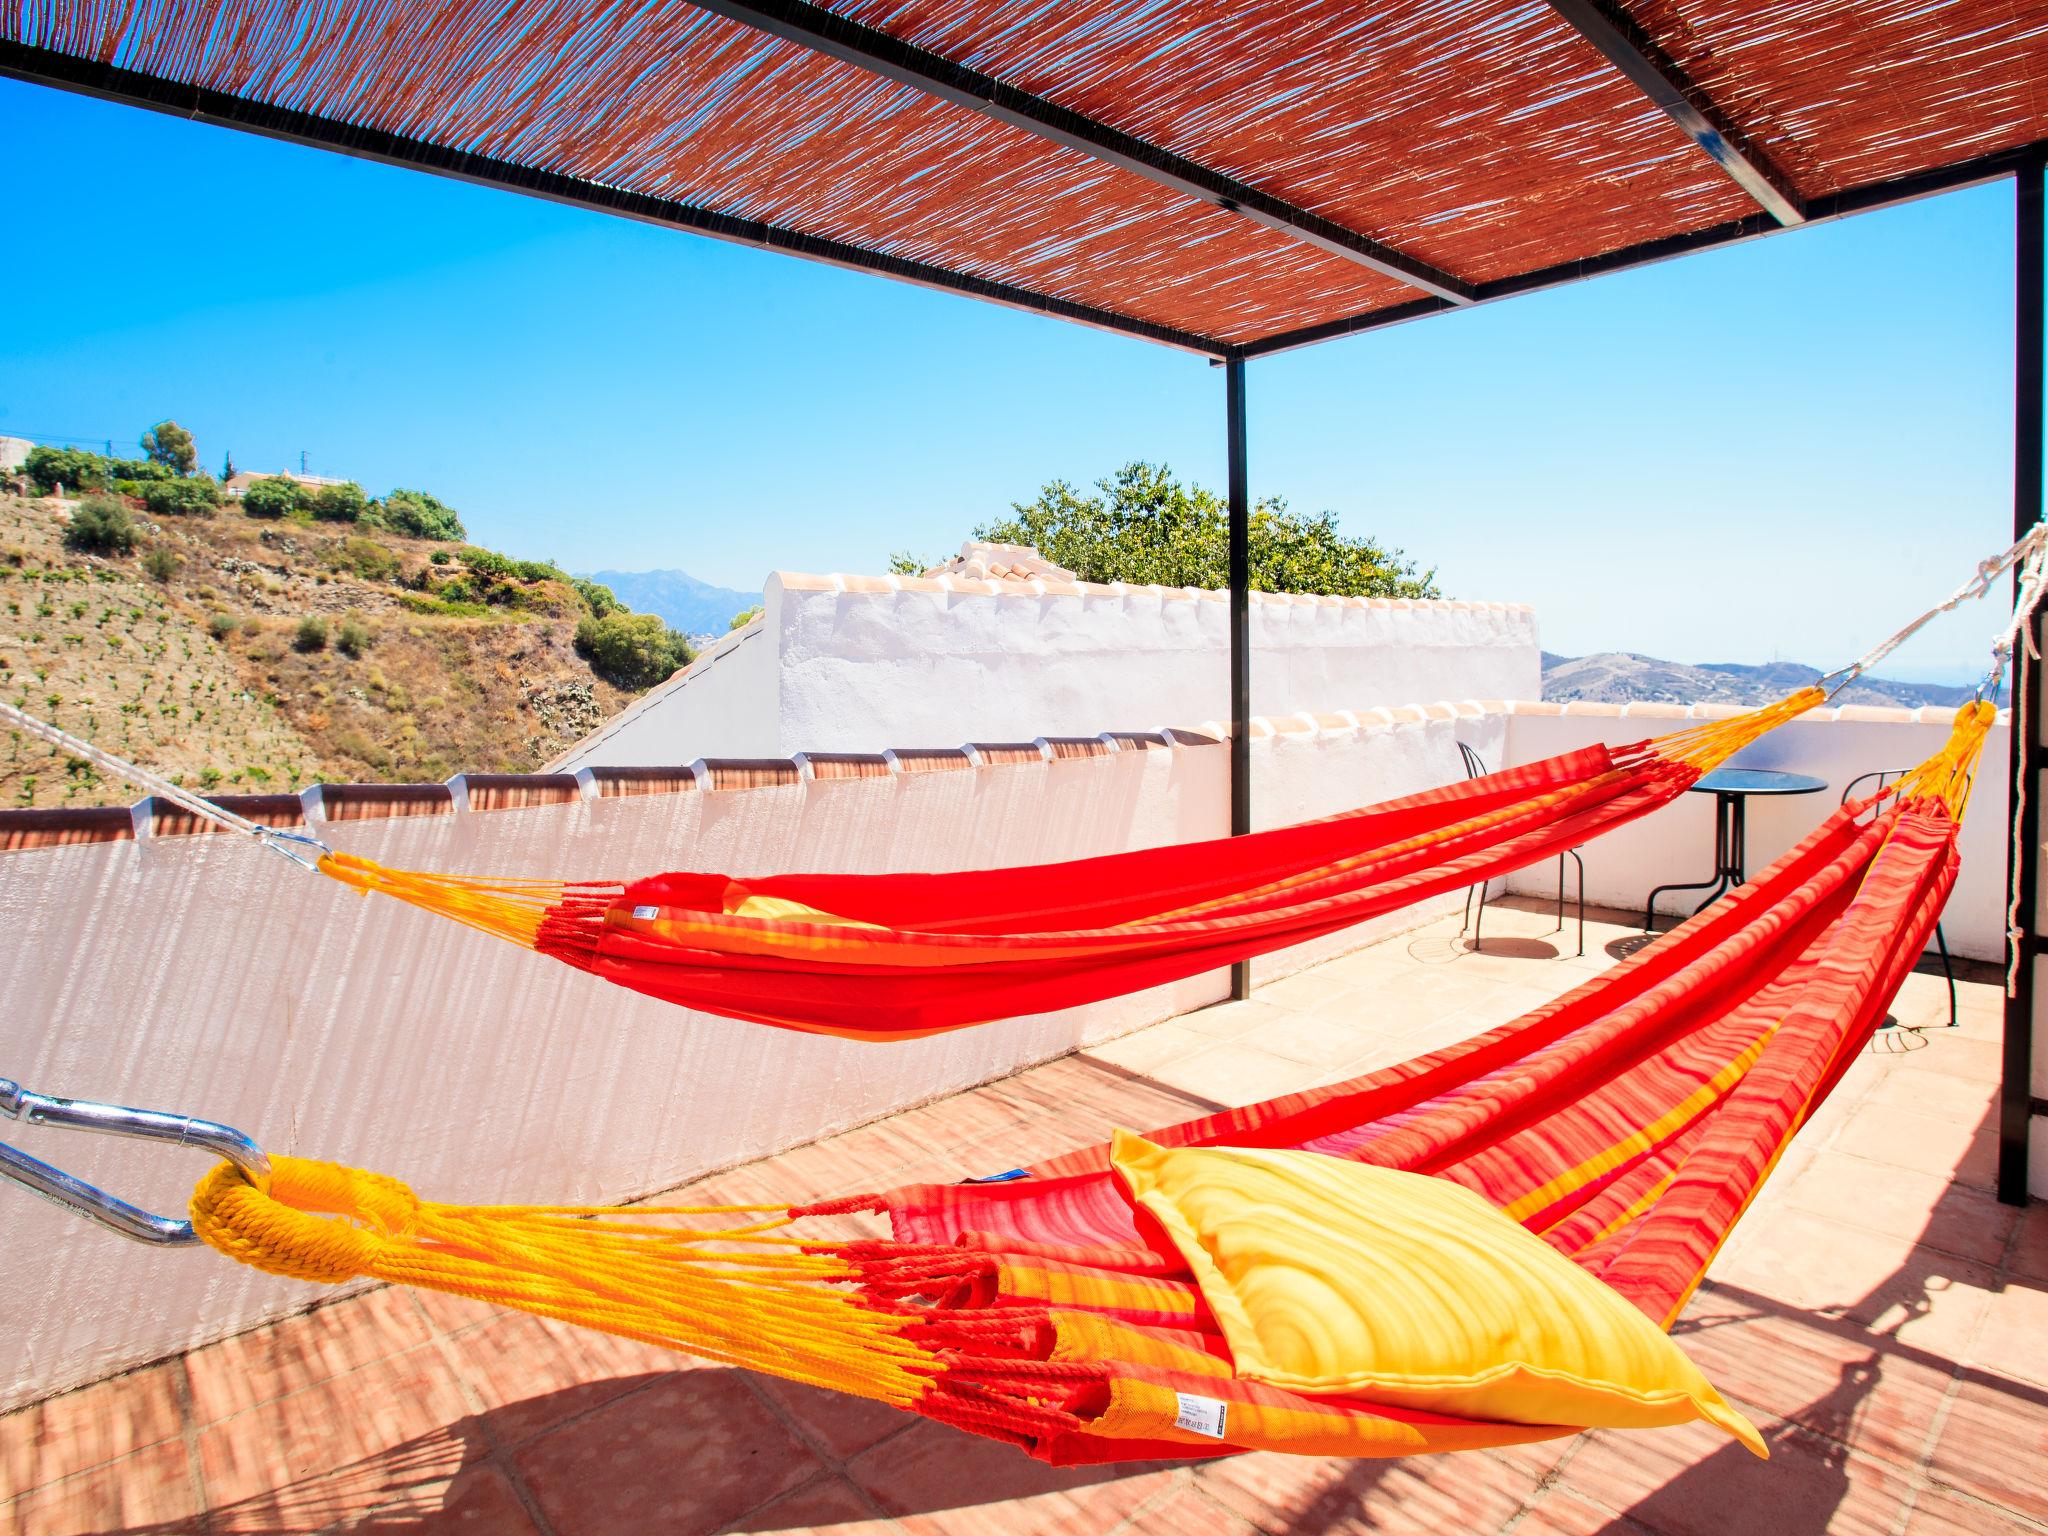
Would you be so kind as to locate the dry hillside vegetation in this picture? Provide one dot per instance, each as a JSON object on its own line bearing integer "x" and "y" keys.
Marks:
{"x": 240, "y": 656}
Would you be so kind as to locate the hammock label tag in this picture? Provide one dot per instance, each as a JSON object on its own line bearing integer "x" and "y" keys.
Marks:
{"x": 646, "y": 914}
{"x": 1200, "y": 1415}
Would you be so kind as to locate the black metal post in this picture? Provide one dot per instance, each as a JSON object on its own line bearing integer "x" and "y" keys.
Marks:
{"x": 2015, "y": 1107}
{"x": 1240, "y": 630}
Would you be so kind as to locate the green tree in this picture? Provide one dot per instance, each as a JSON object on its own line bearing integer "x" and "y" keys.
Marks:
{"x": 746, "y": 616}
{"x": 1145, "y": 526}
{"x": 344, "y": 503}
{"x": 275, "y": 497}
{"x": 227, "y": 467}
{"x": 600, "y": 599}
{"x": 419, "y": 515}
{"x": 197, "y": 496}
{"x": 101, "y": 526}
{"x": 171, "y": 445}
{"x": 631, "y": 650}
{"x": 72, "y": 468}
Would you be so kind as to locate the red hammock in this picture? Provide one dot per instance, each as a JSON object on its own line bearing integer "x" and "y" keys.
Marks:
{"x": 894, "y": 957}
{"x": 1628, "y": 1124}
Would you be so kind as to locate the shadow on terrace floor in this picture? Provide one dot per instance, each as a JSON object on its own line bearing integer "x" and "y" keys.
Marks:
{"x": 1878, "y": 1314}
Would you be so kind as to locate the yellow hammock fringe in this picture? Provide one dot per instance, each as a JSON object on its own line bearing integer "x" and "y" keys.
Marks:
{"x": 514, "y": 909}
{"x": 755, "y": 1300}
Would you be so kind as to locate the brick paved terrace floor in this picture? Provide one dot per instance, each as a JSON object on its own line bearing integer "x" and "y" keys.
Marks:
{"x": 1878, "y": 1314}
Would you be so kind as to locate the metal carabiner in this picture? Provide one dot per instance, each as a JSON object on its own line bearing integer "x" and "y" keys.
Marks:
{"x": 74, "y": 1194}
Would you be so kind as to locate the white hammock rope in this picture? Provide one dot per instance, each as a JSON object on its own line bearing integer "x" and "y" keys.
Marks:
{"x": 292, "y": 845}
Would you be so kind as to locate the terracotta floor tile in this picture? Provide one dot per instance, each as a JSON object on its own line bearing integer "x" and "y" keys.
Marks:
{"x": 1938, "y": 1512}
{"x": 843, "y": 1426}
{"x": 1903, "y": 1202}
{"x": 1423, "y": 1495}
{"x": 390, "y": 1425}
{"x": 452, "y": 1314}
{"x": 526, "y": 1374}
{"x": 1561, "y": 1512}
{"x": 937, "y": 1480}
{"x": 1185, "y": 1510}
{"x": 1932, "y": 1301}
{"x": 1695, "y": 1481}
{"x": 1230, "y": 1021}
{"x": 2028, "y": 1256}
{"x": 1232, "y": 1073}
{"x": 152, "y": 1490}
{"x": 2014, "y": 1340}
{"x": 831, "y": 1506}
{"x": 1965, "y": 1151}
{"x": 685, "y": 1457}
{"x": 1838, "y": 1380}
{"x": 298, "y": 1352}
{"x": 479, "y": 1502}
{"x": 1155, "y": 1051}
{"x": 1961, "y": 1053}
{"x": 75, "y": 1431}
{"x": 1994, "y": 1445}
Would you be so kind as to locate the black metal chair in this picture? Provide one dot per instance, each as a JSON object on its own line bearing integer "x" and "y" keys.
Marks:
{"x": 1476, "y": 769}
{"x": 1884, "y": 778}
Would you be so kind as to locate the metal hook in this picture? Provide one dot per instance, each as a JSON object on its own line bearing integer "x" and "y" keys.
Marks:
{"x": 74, "y": 1194}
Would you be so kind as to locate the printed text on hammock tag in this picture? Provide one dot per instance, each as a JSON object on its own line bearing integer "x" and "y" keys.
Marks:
{"x": 646, "y": 914}
{"x": 1200, "y": 1415}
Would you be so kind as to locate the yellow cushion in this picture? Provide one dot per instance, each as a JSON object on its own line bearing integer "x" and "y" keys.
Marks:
{"x": 1328, "y": 1276}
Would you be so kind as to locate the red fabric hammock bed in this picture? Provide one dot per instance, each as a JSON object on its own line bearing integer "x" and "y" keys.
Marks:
{"x": 898, "y": 956}
{"x": 1628, "y": 1124}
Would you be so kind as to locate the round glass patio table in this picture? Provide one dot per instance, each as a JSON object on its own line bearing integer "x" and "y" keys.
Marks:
{"x": 1732, "y": 789}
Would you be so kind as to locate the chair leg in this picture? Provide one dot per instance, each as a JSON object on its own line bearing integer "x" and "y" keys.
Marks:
{"x": 1478, "y": 916}
{"x": 1560, "y": 895}
{"x": 1948, "y": 969}
{"x": 1582, "y": 894}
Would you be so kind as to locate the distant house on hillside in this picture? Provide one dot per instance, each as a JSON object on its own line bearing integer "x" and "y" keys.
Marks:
{"x": 1001, "y": 645}
{"x": 237, "y": 484}
{"x": 13, "y": 453}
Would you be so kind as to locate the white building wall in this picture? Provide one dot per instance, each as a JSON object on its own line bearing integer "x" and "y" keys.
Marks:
{"x": 1678, "y": 842}
{"x": 858, "y": 664}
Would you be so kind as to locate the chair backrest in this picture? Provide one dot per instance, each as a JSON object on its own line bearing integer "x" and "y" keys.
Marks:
{"x": 1474, "y": 768}
{"x": 1883, "y": 776}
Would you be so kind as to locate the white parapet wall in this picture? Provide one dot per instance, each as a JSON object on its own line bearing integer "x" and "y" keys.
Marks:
{"x": 153, "y": 964}
{"x": 860, "y": 663}
{"x": 1836, "y": 745}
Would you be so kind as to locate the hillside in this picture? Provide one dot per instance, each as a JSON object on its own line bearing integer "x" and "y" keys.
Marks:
{"x": 1621, "y": 677}
{"x": 679, "y": 599}
{"x": 207, "y": 676}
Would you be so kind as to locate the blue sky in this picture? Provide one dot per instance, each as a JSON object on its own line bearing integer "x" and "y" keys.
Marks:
{"x": 1777, "y": 450}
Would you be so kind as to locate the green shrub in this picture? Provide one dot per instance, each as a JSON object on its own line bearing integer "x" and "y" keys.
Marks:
{"x": 276, "y": 497}
{"x": 312, "y": 635}
{"x": 631, "y": 650}
{"x": 194, "y": 497}
{"x": 170, "y": 445}
{"x": 439, "y": 557}
{"x": 746, "y": 616}
{"x": 344, "y": 503}
{"x": 221, "y": 625}
{"x": 365, "y": 558}
{"x": 419, "y": 516}
{"x": 601, "y": 600}
{"x": 72, "y": 468}
{"x": 160, "y": 564}
{"x": 352, "y": 639}
{"x": 102, "y": 526}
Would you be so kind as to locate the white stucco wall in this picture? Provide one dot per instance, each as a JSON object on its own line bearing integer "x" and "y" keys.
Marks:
{"x": 199, "y": 974}
{"x": 863, "y": 663}
{"x": 1677, "y": 843}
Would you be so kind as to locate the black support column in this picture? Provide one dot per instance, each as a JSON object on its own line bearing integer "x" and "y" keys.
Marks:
{"x": 2015, "y": 1103}
{"x": 1240, "y": 630}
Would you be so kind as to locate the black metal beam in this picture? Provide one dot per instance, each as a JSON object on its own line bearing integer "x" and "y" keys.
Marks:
{"x": 43, "y": 66}
{"x": 2015, "y": 1106}
{"x": 1819, "y": 210}
{"x": 1240, "y": 628}
{"x": 880, "y": 53}
{"x": 1651, "y": 70}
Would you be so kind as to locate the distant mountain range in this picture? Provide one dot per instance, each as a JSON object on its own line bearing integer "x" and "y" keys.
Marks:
{"x": 1622, "y": 677}
{"x": 684, "y": 603}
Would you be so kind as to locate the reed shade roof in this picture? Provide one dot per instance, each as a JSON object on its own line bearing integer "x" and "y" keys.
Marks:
{"x": 1486, "y": 138}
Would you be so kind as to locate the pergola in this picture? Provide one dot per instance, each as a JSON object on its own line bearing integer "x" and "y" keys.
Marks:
{"x": 1230, "y": 179}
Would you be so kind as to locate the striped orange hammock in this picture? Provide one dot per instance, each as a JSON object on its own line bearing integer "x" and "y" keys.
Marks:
{"x": 1627, "y": 1124}
{"x": 898, "y": 956}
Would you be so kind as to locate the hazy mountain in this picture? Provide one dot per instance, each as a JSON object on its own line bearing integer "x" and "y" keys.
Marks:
{"x": 683, "y": 602}
{"x": 1621, "y": 677}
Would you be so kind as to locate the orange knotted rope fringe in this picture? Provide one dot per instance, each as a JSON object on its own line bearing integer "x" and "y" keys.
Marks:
{"x": 734, "y": 1294}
